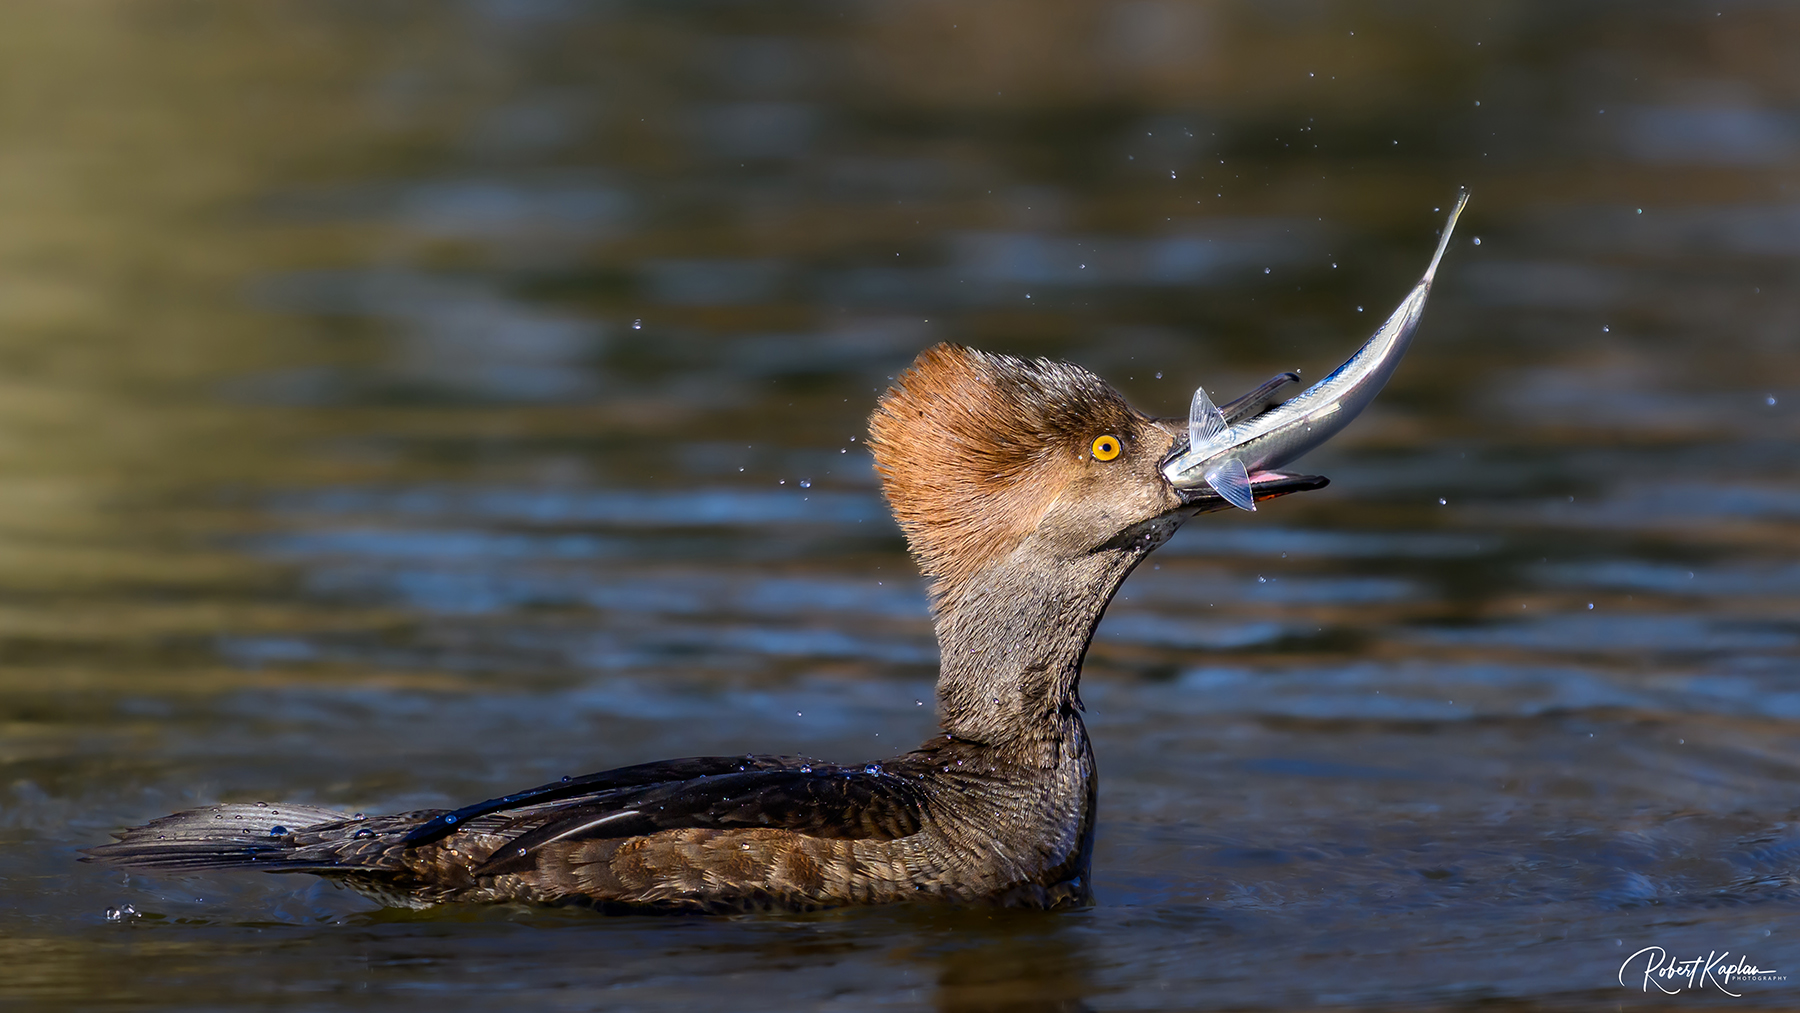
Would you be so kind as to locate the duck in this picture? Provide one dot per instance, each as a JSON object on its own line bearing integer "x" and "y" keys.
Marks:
{"x": 1027, "y": 490}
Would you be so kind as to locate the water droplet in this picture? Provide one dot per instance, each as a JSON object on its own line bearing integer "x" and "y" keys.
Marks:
{"x": 120, "y": 913}
{"x": 806, "y": 483}
{"x": 1770, "y": 400}
{"x": 357, "y": 816}
{"x": 567, "y": 779}
{"x": 1262, "y": 580}
{"x": 806, "y": 768}
{"x": 1605, "y": 329}
{"x": 1359, "y": 309}
{"x": 278, "y": 831}
{"x": 450, "y": 819}
{"x": 873, "y": 768}
{"x": 637, "y": 325}
{"x": 744, "y": 846}
{"x": 1443, "y": 502}
{"x": 364, "y": 833}
{"x": 1266, "y": 270}
{"x": 921, "y": 703}
{"x": 1159, "y": 374}
{"x": 262, "y": 805}
{"x": 1477, "y": 240}
{"x": 521, "y": 851}
{"x": 1590, "y": 606}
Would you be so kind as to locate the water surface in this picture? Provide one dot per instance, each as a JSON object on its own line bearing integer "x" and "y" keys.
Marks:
{"x": 406, "y": 403}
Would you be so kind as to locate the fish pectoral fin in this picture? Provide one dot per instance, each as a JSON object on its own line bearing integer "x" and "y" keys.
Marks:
{"x": 1230, "y": 480}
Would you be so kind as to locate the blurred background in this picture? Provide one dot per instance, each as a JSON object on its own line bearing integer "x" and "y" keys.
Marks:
{"x": 403, "y": 403}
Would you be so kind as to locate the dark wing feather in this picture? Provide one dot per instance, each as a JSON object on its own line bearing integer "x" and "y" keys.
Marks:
{"x": 817, "y": 800}
{"x": 601, "y": 785}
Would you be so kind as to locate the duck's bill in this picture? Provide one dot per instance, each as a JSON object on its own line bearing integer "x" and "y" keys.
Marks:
{"x": 1262, "y": 486}
{"x": 1232, "y": 453}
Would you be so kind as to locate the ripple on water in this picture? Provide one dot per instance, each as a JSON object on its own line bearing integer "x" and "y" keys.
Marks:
{"x": 1697, "y": 580}
{"x": 1201, "y": 539}
{"x": 731, "y": 507}
{"x": 1590, "y": 632}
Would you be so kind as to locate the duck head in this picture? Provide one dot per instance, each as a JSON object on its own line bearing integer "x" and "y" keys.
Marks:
{"x": 1028, "y": 489}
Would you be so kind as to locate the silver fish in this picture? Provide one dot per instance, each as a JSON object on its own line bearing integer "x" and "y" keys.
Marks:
{"x": 1230, "y": 449}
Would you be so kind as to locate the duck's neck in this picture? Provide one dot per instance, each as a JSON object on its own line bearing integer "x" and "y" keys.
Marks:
{"x": 1012, "y": 641}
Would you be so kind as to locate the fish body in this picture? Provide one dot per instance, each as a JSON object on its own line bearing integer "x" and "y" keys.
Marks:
{"x": 1229, "y": 457}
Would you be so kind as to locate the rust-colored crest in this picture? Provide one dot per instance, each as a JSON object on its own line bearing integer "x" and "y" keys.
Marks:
{"x": 973, "y": 448}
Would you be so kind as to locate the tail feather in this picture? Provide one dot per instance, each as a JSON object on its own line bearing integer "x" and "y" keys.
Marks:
{"x": 244, "y": 835}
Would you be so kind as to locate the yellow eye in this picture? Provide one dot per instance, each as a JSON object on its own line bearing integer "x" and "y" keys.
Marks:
{"x": 1106, "y": 448}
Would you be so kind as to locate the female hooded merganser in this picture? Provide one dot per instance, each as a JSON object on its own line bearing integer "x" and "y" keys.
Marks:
{"x": 1028, "y": 490}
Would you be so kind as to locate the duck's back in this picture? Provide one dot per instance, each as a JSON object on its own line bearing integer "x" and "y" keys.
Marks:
{"x": 704, "y": 833}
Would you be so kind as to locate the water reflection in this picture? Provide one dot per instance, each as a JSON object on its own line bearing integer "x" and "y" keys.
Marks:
{"x": 409, "y": 402}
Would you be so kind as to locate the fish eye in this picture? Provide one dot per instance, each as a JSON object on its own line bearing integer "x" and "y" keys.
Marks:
{"x": 1106, "y": 448}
